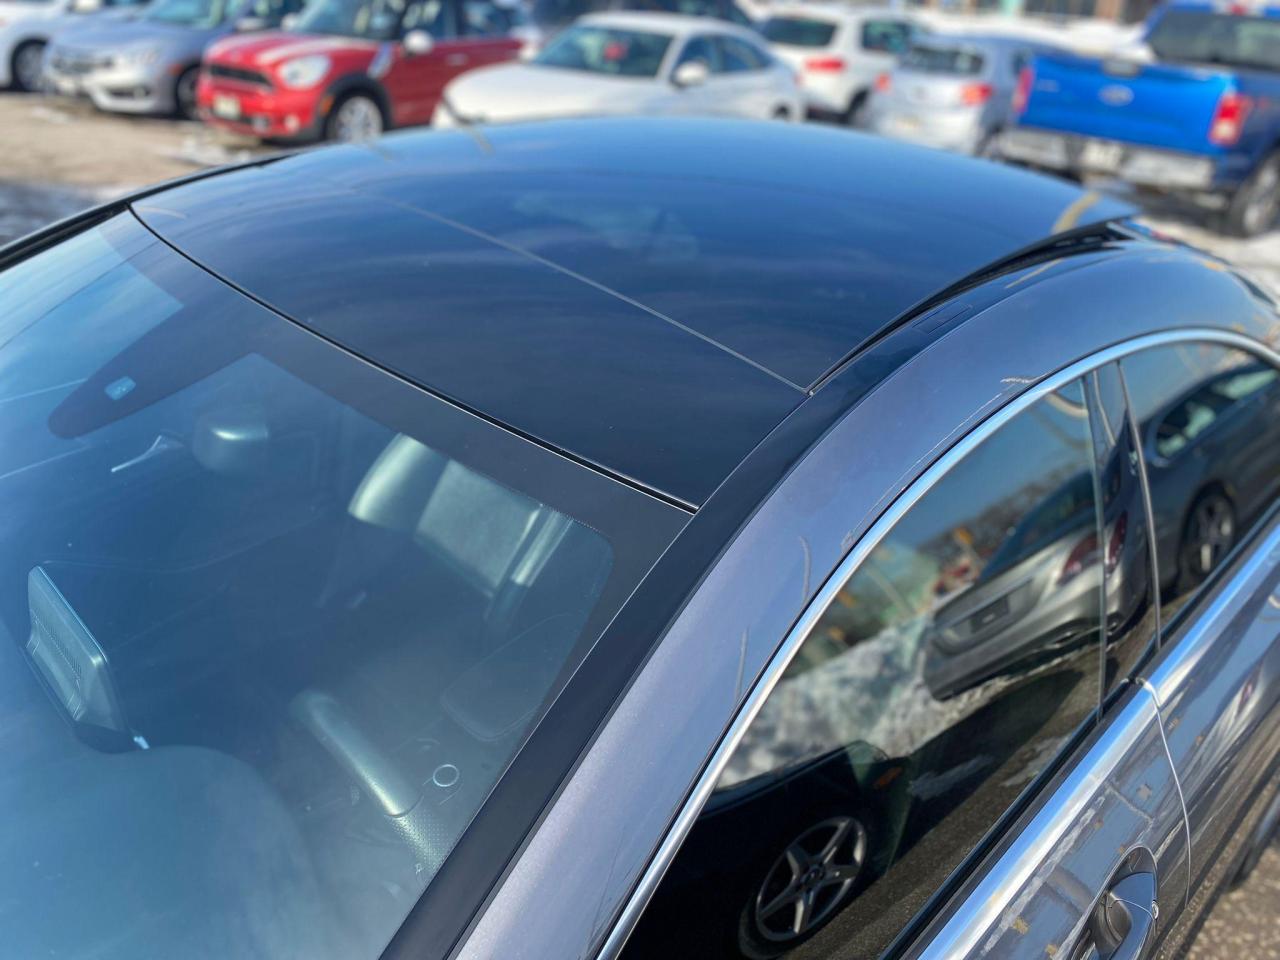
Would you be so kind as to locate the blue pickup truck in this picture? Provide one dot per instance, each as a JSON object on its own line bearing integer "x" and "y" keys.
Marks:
{"x": 1194, "y": 111}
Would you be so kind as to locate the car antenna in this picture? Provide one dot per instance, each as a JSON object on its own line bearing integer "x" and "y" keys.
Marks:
{"x": 467, "y": 124}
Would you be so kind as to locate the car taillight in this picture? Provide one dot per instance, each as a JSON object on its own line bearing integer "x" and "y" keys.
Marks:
{"x": 824, "y": 64}
{"x": 884, "y": 83}
{"x": 1081, "y": 556}
{"x": 1228, "y": 119}
{"x": 1022, "y": 92}
{"x": 975, "y": 94}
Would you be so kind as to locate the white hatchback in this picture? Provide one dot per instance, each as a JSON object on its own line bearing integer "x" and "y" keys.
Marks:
{"x": 632, "y": 63}
{"x": 838, "y": 51}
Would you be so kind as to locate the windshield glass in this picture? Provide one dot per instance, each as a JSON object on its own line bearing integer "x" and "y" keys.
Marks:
{"x": 194, "y": 13}
{"x": 272, "y": 622}
{"x": 1192, "y": 36}
{"x": 798, "y": 31}
{"x": 952, "y": 61}
{"x": 622, "y": 53}
{"x": 369, "y": 19}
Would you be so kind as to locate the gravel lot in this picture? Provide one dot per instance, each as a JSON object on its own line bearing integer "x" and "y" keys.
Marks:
{"x": 58, "y": 157}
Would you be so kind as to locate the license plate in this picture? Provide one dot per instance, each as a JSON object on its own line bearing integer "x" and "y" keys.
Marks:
{"x": 1101, "y": 156}
{"x": 67, "y": 86}
{"x": 908, "y": 122}
{"x": 225, "y": 106}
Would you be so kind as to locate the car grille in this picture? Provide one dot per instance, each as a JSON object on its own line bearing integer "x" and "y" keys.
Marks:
{"x": 74, "y": 62}
{"x": 236, "y": 73}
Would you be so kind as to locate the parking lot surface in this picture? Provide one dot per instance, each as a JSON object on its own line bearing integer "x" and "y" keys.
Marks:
{"x": 59, "y": 157}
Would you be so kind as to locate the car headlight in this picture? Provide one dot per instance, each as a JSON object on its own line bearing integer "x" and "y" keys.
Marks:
{"x": 303, "y": 72}
{"x": 139, "y": 56}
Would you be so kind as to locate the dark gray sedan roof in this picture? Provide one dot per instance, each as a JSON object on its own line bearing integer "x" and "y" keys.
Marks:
{"x": 649, "y": 296}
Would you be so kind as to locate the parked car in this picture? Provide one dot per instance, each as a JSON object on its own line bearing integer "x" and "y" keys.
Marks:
{"x": 632, "y": 63}
{"x": 554, "y": 15}
{"x": 349, "y": 69}
{"x": 951, "y": 91}
{"x": 150, "y": 64}
{"x": 1186, "y": 113}
{"x": 532, "y": 543}
{"x": 27, "y": 26}
{"x": 838, "y": 51}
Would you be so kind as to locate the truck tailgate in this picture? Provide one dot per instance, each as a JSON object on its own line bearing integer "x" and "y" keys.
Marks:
{"x": 1155, "y": 104}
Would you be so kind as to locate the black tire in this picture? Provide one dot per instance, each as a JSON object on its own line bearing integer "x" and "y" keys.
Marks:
{"x": 354, "y": 117}
{"x": 184, "y": 93}
{"x": 782, "y": 113}
{"x": 1208, "y": 534}
{"x": 1253, "y": 208}
{"x": 25, "y": 66}
{"x": 853, "y": 114}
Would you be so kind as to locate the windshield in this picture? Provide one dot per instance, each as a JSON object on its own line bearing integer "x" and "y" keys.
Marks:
{"x": 364, "y": 19}
{"x": 1192, "y": 36}
{"x": 620, "y": 53}
{"x": 952, "y": 61}
{"x": 798, "y": 31}
{"x": 194, "y": 13}
{"x": 272, "y": 622}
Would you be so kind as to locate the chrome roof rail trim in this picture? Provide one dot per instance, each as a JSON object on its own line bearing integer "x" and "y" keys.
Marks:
{"x": 1027, "y": 849}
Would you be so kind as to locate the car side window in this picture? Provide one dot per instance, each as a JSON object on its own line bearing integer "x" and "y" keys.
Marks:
{"x": 703, "y": 49}
{"x": 433, "y": 16}
{"x": 738, "y": 56}
{"x": 886, "y": 36}
{"x": 483, "y": 18}
{"x": 953, "y": 666}
{"x": 1124, "y": 549}
{"x": 1209, "y": 417}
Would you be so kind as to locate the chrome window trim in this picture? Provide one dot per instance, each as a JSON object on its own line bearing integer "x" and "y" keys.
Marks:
{"x": 1029, "y": 849}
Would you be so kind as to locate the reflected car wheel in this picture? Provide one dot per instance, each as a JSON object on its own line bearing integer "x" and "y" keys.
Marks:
{"x": 1209, "y": 535}
{"x": 808, "y": 883}
{"x": 355, "y": 119}
{"x": 26, "y": 67}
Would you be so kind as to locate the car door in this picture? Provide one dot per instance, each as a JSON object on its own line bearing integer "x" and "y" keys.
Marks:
{"x": 749, "y": 87}
{"x": 414, "y": 81}
{"x": 484, "y": 38}
{"x": 1218, "y": 678}
{"x": 958, "y": 658}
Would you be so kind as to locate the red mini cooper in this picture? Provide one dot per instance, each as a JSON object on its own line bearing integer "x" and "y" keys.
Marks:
{"x": 348, "y": 69}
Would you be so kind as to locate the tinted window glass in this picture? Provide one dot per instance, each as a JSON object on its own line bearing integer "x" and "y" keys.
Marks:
{"x": 888, "y": 36}
{"x": 1204, "y": 37}
{"x": 738, "y": 56}
{"x": 627, "y": 53}
{"x": 946, "y": 676}
{"x": 1125, "y": 552}
{"x": 1210, "y": 423}
{"x": 485, "y": 18}
{"x": 272, "y": 623}
{"x": 703, "y": 49}
{"x": 798, "y": 31}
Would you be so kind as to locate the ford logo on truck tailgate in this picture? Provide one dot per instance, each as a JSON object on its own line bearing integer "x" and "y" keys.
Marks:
{"x": 1115, "y": 95}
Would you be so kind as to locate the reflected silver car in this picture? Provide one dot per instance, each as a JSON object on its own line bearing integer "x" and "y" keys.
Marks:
{"x": 950, "y": 91}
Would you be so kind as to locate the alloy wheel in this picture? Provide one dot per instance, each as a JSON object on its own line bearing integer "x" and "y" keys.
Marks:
{"x": 1210, "y": 535}
{"x": 811, "y": 880}
{"x": 358, "y": 119}
{"x": 27, "y": 64}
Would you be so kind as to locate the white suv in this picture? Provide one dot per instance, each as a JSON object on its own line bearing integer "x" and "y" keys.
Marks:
{"x": 838, "y": 51}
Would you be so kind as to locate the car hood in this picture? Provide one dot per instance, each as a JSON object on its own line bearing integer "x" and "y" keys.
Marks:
{"x": 275, "y": 46}
{"x": 525, "y": 91}
{"x": 111, "y": 34}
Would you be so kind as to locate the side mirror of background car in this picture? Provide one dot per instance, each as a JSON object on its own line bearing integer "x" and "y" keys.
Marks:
{"x": 250, "y": 24}
{"x": 692, "y": 73}
{"x": 289, "y": 21}
{"x": 418, "y": 42}
{"x": 86, "y": 6}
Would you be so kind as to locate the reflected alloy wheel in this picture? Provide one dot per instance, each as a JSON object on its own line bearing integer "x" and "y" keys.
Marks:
{"x": 1210, "y": 535}
{"x": 810, "y": 881}
{"x": 356, "y": 119}
{"x": 184, "y": 93}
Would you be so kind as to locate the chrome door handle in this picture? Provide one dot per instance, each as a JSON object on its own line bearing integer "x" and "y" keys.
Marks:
{"x": 1122, "y": 921}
